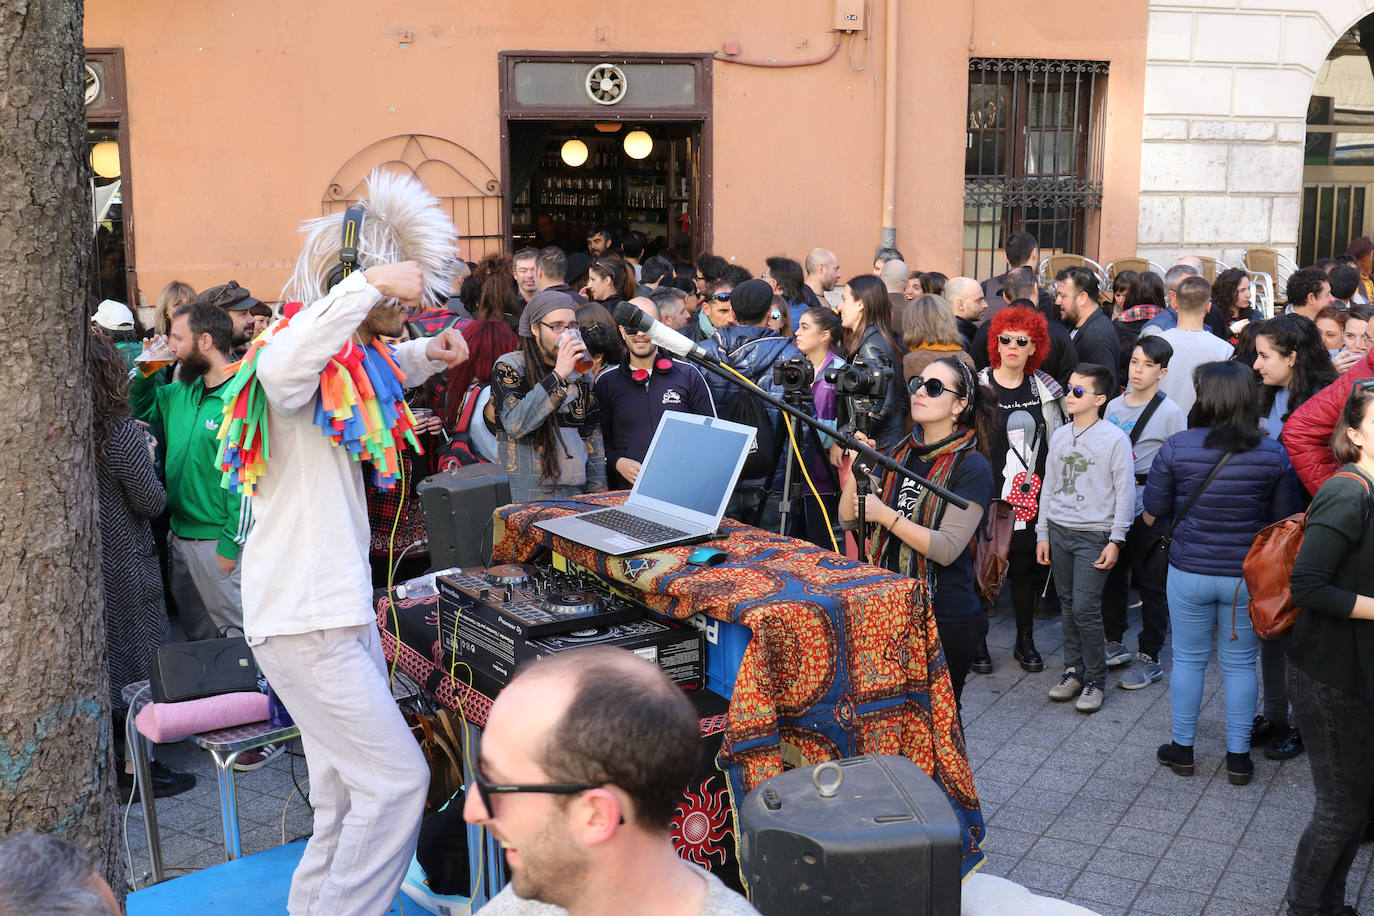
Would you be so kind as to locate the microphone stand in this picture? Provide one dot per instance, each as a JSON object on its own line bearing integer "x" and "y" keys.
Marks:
{"x": 848, "y": 442}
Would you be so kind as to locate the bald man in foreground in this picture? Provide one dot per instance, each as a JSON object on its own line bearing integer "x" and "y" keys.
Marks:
{"x": 584, "y": 761}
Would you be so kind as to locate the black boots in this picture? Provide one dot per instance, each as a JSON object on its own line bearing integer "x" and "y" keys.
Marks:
{"x": 1176, "y": 757}
{"x": 1239, "y": 768}
{"x": 982, "y": 660}
{"x": 1025, "y": 653}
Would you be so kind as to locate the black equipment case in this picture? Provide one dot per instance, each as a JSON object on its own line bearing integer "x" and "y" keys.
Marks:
{"x": 866, "y": 835}
{"x": 458, "y": 506}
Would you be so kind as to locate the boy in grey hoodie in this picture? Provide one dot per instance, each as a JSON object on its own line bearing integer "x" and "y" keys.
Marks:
{"x": 1087, "y": 504}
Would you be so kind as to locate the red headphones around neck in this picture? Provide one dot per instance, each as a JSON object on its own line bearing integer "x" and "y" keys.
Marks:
{"x": 661, "y": 366}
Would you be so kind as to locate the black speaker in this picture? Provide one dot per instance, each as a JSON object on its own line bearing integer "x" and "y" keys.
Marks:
{"x": 458, "y": 505}
{"x": 191, "y": 670}
{"x": 866, "y": 835}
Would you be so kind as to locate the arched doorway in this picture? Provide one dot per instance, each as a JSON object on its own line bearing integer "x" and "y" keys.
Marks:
{"x": 1338, "y": 162}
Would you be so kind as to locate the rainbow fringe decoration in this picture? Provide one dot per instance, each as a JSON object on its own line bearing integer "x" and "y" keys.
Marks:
{"x": 360, "y": 406}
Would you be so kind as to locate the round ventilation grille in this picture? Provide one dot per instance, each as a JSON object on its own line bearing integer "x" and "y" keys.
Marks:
{"x": 605, "y": 84}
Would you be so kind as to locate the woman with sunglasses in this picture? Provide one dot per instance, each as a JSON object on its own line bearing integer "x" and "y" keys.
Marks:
{"x": 913, "y": 528}
{"x": 607, "y": 281}
{"x": 866, "y": 313}
{"x": 1330, "y": 676}
{"x": 1029, "y": 408}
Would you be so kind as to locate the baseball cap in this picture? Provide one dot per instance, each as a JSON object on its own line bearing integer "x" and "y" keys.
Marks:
{"x": 113, "y": 316}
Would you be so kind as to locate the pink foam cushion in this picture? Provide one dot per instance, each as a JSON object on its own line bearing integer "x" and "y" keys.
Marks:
{"x": 162, "y": 723}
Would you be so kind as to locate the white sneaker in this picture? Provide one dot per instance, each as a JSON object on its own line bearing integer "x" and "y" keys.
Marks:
{"x": 1090, "y": 700}
{"x": 1068, "y": 687}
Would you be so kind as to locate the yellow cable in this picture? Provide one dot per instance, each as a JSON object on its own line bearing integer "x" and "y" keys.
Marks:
{"x": 830, "y": 529}
{"x": 391, "y": 571}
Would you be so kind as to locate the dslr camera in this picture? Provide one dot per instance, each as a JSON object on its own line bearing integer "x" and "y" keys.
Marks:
{"x": 795, "y": 376}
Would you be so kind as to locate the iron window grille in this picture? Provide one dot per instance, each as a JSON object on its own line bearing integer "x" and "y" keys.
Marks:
{"x": 1033, "y": 156}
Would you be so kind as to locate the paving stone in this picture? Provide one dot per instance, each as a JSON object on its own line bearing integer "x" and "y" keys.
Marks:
{"x": 1133, "y": 839}
{"x": 1062, "y": 852}
{"x": 1199, "y": 852}
{"x": 1002, "y": 841}
{"x": 1122, "y": 864}
{"x": 1186, "y": 876}
{"x": 1168, "y": 901}
{"x": 1044, "y": 877}
{"x": 1148, "y": 817}
{"x": 1117, "y": 892}
{"x": 1256, "y": 889}
{"x": 1042, "y": 800}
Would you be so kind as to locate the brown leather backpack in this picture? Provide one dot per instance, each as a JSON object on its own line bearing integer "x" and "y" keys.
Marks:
{"x": 1268, "y": 566}
{"x": 991, "y": 544}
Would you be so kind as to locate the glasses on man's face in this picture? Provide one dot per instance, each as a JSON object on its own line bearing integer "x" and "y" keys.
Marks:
{"x": 1077, "y": 391}
{"x": 558, "y": 327}
{"x": 1007, "y": 340}
{"x": 934, "y": 387}
{"x": 485, "y": 790}
{"x": 721, "y": 297}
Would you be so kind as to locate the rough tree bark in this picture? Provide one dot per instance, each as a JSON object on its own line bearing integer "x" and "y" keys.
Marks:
{"x": 56, "y": 773}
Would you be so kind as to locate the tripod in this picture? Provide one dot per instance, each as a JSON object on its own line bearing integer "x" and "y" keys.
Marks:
{"x": 793, "y": 486}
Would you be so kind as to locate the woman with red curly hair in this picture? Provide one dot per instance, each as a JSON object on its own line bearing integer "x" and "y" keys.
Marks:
{"x": 1030, "y": 407}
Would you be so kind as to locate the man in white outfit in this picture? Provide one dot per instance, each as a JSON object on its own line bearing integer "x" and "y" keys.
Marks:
{"x": 306, "y": 579}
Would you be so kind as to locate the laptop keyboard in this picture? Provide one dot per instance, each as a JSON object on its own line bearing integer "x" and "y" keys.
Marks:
{"x": 638, "y": 528}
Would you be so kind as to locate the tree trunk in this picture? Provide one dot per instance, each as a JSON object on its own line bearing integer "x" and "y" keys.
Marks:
{"x": 56, "y": 773}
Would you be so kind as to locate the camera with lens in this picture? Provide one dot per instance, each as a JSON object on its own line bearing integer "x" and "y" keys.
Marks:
{"x": 795, "y": 376}
{"x": 860, "y": 379}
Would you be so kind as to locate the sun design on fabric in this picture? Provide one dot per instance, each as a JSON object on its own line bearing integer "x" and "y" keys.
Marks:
{"x": 701, "y": 823}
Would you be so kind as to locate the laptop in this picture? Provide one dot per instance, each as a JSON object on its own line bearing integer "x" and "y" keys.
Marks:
{"x": 684, "y": 482}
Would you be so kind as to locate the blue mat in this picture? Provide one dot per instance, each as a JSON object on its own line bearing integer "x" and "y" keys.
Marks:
{"x": 255, "y": 885}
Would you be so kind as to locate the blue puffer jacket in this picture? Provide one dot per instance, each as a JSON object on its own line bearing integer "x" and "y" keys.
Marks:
{"x": 752, "y": 351}
{"x": 1255, "y": 489}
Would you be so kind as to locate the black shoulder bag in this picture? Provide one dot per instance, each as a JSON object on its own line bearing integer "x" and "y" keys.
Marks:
{"x": 1156, "y": 563}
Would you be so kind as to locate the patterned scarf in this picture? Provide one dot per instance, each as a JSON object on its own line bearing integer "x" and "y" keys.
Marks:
{"x": 928, "y": 508}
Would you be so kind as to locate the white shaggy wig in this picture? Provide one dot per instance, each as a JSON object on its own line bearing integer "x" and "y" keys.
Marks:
{"x": 403, "y": 222}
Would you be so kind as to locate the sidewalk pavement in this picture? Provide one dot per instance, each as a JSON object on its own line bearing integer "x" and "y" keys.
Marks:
{"x": 1076, "y": 806}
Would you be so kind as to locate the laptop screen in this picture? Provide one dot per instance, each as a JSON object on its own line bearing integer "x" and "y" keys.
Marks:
{"x": 691, "y": 465}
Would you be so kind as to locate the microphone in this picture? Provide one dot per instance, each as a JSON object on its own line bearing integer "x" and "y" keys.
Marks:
{"x": 676, "y": 343}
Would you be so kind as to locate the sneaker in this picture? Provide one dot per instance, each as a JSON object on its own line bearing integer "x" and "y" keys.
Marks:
{"x": 258, "y": 757}
{"x": 1090, "y": 700}
{"x": 1117, "y": 654}
{"x": 1287, "y": 745}
{"x": 1144, "y": 671}
{"x": 1068, "y": 687}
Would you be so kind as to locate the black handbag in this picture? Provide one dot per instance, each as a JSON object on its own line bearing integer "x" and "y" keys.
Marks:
{"x": 1156, "y": 562}
{"x": 203, "y": 668}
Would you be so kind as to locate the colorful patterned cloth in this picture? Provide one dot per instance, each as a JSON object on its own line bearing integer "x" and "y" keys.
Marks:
{"x": 838, "y": 666}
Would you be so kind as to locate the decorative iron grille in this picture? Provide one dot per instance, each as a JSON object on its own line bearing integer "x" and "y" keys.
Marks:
{"x": 464, "y": 185}
{"x": 1033, "y": 156}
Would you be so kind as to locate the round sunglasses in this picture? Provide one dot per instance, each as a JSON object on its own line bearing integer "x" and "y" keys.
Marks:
{"x": 933, "y": 386}
{"x": 1007, "y": 340}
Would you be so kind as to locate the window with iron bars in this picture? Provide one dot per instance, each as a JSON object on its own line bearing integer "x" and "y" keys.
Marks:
{"x": 1033, "y": 157}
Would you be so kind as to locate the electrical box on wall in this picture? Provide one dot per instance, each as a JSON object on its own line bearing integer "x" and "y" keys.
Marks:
{"x": 849, "y": 15}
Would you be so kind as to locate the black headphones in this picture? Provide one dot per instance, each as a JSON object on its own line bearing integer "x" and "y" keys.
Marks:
{"x": 348, "y": 253}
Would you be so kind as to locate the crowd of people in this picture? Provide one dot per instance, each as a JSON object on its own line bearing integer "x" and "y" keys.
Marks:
{"x": 1142, "y": 431}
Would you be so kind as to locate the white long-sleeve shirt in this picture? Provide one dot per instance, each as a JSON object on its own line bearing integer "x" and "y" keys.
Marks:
{"x": 305, "y": 564}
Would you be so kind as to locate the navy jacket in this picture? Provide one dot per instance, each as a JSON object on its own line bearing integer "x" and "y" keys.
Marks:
{"x": 752, "y": 351}
{"x": 630, "y": 411}
{"x": 1255, "y": 489}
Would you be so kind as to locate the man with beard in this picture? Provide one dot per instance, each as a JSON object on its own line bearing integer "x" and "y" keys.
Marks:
{"x": 249, "y": 315}
{"x": 209, "y": 524}
{"x": 634, "y": 395}
{"x": 583, "y": 764}
{"x": 548, "y": 434}
{"x": 307, "y": 585}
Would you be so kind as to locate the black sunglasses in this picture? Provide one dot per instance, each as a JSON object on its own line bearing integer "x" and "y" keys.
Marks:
{"x": 1006, "y": 340}
{"x": 933, "y": 386}
{"x": 485, "y": 790}
{"x": 1079, "y": 391}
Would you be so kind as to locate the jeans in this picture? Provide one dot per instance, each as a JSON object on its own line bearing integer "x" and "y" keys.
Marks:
{"x": 1338, "y": 729}
{"x": 960, "y": 638}
{"x": 1198, "y": 606}
{"x": 1154, "y": 605}
{"x": 1274, "y": 677}
{"x": 1079, "y": 583}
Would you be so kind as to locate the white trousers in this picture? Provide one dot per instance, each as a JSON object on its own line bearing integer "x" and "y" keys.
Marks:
{"x": 368, "y": 777}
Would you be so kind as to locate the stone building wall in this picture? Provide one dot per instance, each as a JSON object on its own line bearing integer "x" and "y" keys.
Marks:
{"x": 1227, "y": 84}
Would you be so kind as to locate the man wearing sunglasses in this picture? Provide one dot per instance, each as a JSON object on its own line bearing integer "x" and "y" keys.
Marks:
{"x": 583, "y": 764}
